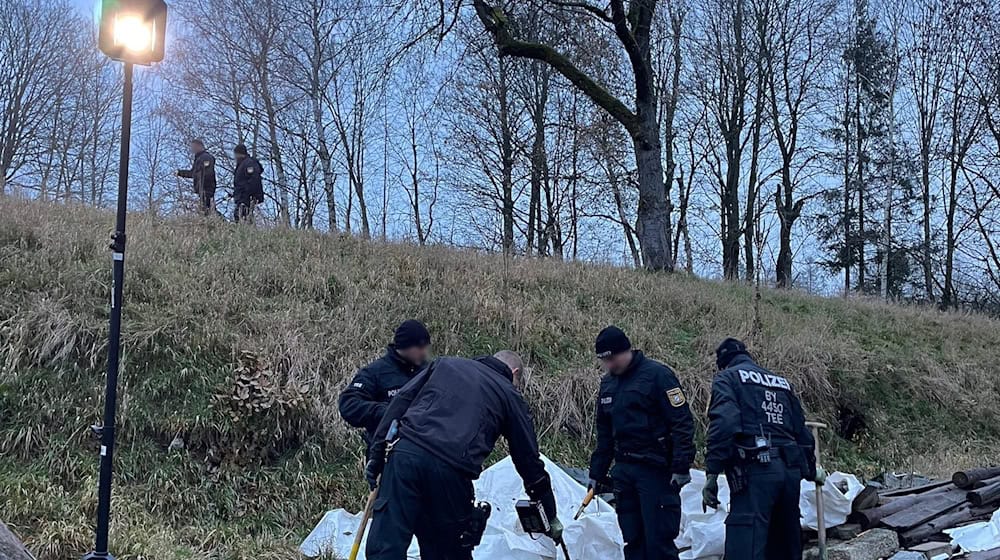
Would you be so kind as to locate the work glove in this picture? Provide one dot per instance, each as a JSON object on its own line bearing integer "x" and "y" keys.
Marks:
{"x": 603, "y": 487}
{"x": 373, "y": 470}
{"x": 376, "y": 463}
{"x": 678, "y": 481}
{"x": 710, "y": 493}
{"x": 820, "y": 476}
{"x": 555, "y": 530}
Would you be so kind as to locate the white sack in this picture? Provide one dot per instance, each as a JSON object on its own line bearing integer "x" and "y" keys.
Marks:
{"x": 704, "y": 532}
{"x": 836, "y": 505}
{"x": 978, "y": 537}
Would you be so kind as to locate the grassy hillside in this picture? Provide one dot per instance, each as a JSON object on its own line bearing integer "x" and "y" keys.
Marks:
{"x": 238, "y": 341}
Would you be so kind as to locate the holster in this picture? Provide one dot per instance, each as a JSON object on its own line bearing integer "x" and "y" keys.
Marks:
{"x": 738, "y": 476}
{"x": 475, "y": 526}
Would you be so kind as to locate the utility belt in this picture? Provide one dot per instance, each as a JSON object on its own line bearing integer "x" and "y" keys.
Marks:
{"x": 645, "y": 458}
{"x": 659, "y": 456}
{"x": 738, "y": 473}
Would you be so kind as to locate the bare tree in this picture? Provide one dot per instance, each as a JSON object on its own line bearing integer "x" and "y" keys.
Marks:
{"x": 632, "y": 25}
{"x": 35, "y": 69}
{"x": 796, "y": 49}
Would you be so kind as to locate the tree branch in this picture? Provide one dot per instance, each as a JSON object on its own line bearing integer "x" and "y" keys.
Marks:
{"x": 496, "y": 22}
{"x": 599, "y": 13}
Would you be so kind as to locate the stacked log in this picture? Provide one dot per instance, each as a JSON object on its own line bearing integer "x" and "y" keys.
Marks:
{"x": 922, "y": 514}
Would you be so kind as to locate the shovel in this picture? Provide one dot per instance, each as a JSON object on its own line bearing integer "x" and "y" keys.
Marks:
{"x": 820, "y": 522}
{"x": 360, "y": 534}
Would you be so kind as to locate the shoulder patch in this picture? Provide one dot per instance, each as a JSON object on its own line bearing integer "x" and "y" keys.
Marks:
{"x": 250, "y": 170}
{"x": 359, "y": 385}
{"x": 207, "y": 163}
{"x": 676, "y": 397}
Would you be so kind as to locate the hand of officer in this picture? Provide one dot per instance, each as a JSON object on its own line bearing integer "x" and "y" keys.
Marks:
{"x": 820, "y": 477}
{"x": 373, "y": 470}
{"x": 555, "y": 530}
{"x": 679, "y": 480}
{"x": 710, "y": 494}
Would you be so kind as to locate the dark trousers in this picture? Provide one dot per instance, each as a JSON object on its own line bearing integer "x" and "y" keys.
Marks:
{"x": 244, "y": 209}
{"x": 649, "y": 511}
{"x": 206, "y": 198}
{"x": 763, "y": 522}
{"x": 420, "y": 495}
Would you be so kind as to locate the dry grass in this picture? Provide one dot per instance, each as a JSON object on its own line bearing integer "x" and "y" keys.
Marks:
{"x": 201, "y": 295}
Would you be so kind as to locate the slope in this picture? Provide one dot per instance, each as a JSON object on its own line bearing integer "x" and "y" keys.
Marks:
{"x": 238, "y": 341}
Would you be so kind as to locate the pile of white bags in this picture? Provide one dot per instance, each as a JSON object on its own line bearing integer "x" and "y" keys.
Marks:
{"x": 596, "y": 535}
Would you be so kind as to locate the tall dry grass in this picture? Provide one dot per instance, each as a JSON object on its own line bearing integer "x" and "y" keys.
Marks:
{"x": 238, "y": 341}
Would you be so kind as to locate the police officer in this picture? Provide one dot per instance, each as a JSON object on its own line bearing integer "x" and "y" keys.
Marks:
{"x": 203, "y": 172}
{"x": 757, "y": 435}
{"x": 645, "y": 426}
{"x": 365, "y": 400}
{"x": 449, "y": 419}
{"x": 248, "y": 187}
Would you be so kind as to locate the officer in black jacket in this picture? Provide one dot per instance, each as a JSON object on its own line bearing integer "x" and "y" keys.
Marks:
{"x": 203, "y": 172}
{"x": 449, "y": 419}
{"x": 645, "y": 426}
{"x": 757, "y": 435}
{"x": 248, "y": 187}
{"x": 366, "y": 399}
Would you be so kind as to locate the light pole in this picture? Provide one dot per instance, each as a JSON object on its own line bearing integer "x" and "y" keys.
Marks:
{"x": 132, "y": 31}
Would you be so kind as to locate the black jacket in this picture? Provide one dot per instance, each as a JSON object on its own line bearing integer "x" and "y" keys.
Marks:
{"x": 247, "y": 183}
{"x": 457, "y": 408}
{"x": 643, "y": 416}
{"x": 747, "y": 401}
{"x": 202, "y": 171}
{"x": 365, "y": 400}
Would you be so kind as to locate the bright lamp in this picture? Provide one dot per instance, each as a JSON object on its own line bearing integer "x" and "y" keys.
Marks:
{"x": 133, "y": 30}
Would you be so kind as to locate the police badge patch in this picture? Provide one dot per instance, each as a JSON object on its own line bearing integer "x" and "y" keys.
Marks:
{"x": 676, "y": 397}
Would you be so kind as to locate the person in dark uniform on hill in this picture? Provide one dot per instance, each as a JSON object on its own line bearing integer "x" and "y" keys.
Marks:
{"x": 645, "y": 426}
{"x": 448, "y": 421}
{"x": 757, "y": 435}
{"x": 203, "y": 173}
{"x": 248, "y": 186}
{"x": 366, "y": 399}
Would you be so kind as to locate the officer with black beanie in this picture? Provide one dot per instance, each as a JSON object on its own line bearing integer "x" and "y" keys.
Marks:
{"x": 365, "y": 400}
{"x": 757, "y": 435}
{"x": 644, "y": 426}
{"x": 248, "y": 186}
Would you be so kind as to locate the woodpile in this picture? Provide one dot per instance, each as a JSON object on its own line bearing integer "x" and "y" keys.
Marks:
{"x": 920, "y": 515}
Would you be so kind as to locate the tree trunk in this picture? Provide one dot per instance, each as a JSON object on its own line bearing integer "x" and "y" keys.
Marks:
{"x": 653, "y": 222}
{"x": 507, "y": 159}
{"x": 622, "y": 216}
{"x": 325, "y": 160}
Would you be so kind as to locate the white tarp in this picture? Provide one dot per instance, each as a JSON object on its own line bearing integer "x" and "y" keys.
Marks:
{"x": 596, "y": 534}
{"x": 978, "y": 537}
